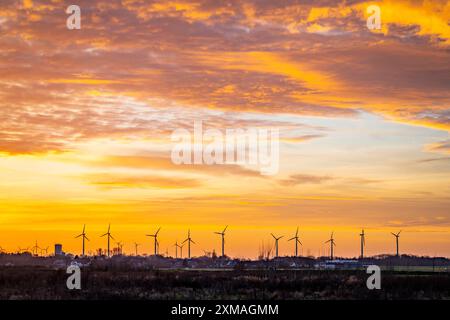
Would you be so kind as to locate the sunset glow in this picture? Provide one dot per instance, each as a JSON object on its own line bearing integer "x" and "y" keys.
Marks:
{"x": 87, "y": 117}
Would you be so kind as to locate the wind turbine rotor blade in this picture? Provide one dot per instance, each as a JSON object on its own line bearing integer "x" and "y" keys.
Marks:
{"x": 87, "y": 238}
{"x": 399, "y": 232}
{"x": 112, "y": 237}
{"x": 225, "y": 229}
{"x": 273, "y": 236}
{"x": 192, "y": 241}
{"x": 292, "y": 238}
{"x": 84, "y": 227}
{"x": 300, "y": 242}
{"x": 103, "y": 235}
{"x": 157, "y": 231}
{"x": 218, "y": 233}
{"x": 78, "y": 236}
{"x": 280, "y": 237}
{"x": 184, "y": 241}
{"x": 109, "y": 227}
{"x": 327, "y": 241}
{"x": 393, "y": 234}
{"x": 296, "y": 232}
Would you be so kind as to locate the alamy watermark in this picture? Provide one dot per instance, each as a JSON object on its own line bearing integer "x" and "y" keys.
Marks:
{"x": 74, "y": 20}
{"x": 374, "y": 19}
{"x": 74, "y": 280}
{"x": 374, "y": 280}
{"x": 258, "y": 147}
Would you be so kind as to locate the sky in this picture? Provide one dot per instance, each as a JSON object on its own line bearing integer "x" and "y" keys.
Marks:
{"x": 363, "y": 115}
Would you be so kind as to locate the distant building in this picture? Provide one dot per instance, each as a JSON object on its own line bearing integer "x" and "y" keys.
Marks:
{"x": 58, "y": 250}
{"x": 342, "y": 264}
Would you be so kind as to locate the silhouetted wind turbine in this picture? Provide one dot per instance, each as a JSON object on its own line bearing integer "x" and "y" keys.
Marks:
{"x": 297, "y": 241}
{"x": 176, "y": 245}
{"x": 136, "y": 248}
{"x": 156, "y": 240}
{"x": 181, "y": 250}
{"x": 396, "y": 239}
{"x": 332, "y": 244}
{"x": 83, "y": 234}
{"x": 189, "y": 240}
{"x": 223, "y": 240}
{"x": 276, "y": 244}
{"x": 35, "y": 248}
{"x": 109, "y": 236}
{"x": 363, "y": 243}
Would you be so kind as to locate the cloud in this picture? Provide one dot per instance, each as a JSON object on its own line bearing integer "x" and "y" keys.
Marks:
{"x": 439, "y": 147}
{"x": 251, "y": 56}
{"x": 302, "y": 138}
{"x": 297, "y": 179}
{"x": 160, "y": 162}
{"x": 114, "y": 181}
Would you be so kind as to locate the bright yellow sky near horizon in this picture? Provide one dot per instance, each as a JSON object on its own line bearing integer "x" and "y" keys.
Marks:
{"x": 364, "y": 119}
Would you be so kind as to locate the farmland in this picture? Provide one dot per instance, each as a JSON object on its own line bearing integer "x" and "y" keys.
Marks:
{"x": 37, "y": 282}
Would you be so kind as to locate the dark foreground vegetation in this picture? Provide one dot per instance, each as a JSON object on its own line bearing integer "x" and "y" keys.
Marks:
{"x": 37, "y": 282}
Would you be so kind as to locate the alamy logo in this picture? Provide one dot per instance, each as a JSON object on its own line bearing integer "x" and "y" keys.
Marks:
{"x": 74, "y": 20}
{"x": 374, "y": 281}
{"x": 74, "y": 280}
{"x": 253, "y": 146}
{"x": 374, "y": 20}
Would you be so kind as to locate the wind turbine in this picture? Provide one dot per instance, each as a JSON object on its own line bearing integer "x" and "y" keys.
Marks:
{"x": 297, "y": 241}
{"x": 176, "y": 245}
{"x": 181, "y": 250}
{"x": 276, "y": 244}
{"x": 109, "y": 236}
{"x": 83, "y": 235}
{"x": 332, "y": 244}
{"x": 35, "y": 248}
{"x": 363, "y": 243}
{"x": 189, "y": 240}
{"x": 223, "y": 240}
{"x": 397, "y": 235}
{"x": 156, "y": 240}
{"x": 136, "y": 247}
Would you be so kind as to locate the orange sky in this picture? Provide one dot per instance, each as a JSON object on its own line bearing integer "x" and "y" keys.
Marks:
{"x": 363, "y": 115}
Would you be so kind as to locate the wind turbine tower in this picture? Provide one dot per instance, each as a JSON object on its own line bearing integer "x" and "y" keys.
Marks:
{"x": 332, "y": 245}
{"x": 396, "y": 235}
{"x": 176, "y": 245}
{"x": 189, "y": 241}
{"x": 276, "y": 244}
{"x": 222, "y": 234}
{"x": 84, "y": 237}
{"x": 156, "y": 240}
{"x": 35, "y": 249}
{"x": 297, "y": 241}
{"x": 109, "y": 236}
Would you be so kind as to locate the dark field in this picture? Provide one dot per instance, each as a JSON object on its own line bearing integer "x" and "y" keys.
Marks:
{"x": 44, "y": 283}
